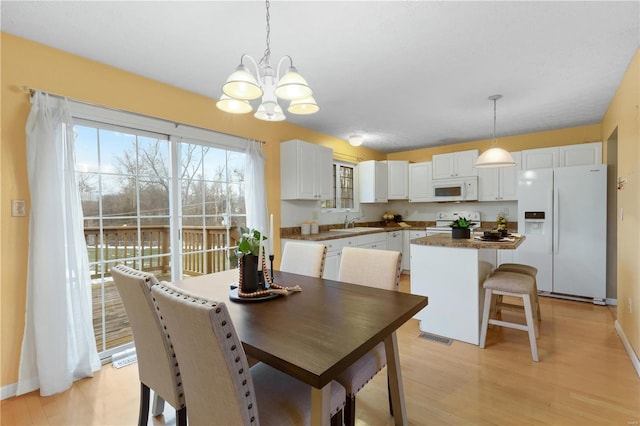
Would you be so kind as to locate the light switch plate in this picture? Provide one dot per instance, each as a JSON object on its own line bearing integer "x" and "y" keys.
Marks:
{"x": 18, "y": 208}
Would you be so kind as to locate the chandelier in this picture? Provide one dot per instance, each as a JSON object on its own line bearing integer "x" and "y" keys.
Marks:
{"x": 494, "y": 156}
{"x": 242, "y": 86}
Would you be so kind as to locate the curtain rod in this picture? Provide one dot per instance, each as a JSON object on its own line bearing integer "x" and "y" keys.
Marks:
{"x": 31, "y": 91}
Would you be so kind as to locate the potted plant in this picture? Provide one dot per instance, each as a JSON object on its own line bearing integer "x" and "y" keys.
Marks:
{"x": 460, "y": 228}
{"x": 501, "y": 226}
{"x": 251, "y": 275}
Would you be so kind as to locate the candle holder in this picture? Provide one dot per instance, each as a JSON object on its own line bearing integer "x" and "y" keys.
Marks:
{"x": 271, "y": 257}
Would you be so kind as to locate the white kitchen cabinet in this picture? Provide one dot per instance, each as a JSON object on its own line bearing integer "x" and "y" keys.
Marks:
{"x": 580, "y": 155}
{"x": 395, "y": 241}
{"x": 562, "y": 156}
{"x": 406, "y": 251}
{"x": 397, "y": 180}
{"x": 306, "y": 171}
{"x": 455, "y": 164}
{"x": 499, "y": 183}
{"x": 420, "y": 182}
{"x": 377, "y": 241}
{"x": 373, "y": 181}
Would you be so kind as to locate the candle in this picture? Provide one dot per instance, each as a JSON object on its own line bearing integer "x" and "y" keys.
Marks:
{"x": 259, "y": 250}
{"x": 271, "y": 234}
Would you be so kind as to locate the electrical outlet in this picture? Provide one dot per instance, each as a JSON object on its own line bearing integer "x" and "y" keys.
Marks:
{"x": 18, "y": 208}
{"x": 629, "y": 305}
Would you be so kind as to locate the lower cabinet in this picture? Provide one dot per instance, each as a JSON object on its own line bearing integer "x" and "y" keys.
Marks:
{"x": 406, "y": 250}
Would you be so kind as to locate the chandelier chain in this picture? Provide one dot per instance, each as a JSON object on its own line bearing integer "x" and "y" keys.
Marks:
{"x": 266, "y": 57}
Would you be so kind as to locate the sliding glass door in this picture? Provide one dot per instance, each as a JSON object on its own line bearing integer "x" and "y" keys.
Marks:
{"x": 158, "y": 204}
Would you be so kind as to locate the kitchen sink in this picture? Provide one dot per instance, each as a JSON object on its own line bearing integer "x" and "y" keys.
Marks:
{"x": 358, "y": 229}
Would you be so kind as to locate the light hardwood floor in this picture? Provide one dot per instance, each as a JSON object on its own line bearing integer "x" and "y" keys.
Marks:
{"x": 584, "y": 377}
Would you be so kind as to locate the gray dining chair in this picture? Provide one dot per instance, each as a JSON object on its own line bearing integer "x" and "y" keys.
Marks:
{"x": 219, "y": 386}
{"x": 303, "y": 258}
{"x": 373, "y": 268}
{"x": 157, "y": 365}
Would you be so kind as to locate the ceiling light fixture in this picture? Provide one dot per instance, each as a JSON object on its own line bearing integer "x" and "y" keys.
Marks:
{"x": 242, "y": 86}
{"x": 494, "y": 156}
{"x": 356, "y": 140}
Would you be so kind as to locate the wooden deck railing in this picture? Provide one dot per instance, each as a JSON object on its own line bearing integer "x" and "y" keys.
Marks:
{"x": 203, "y": 252}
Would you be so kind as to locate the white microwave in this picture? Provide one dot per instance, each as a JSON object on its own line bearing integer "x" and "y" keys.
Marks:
{"x": 457, "y": 189}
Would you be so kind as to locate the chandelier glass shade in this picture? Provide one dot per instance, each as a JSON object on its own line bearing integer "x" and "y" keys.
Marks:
{"x": 495, "y": 156}
{"x": 243, "y": 86}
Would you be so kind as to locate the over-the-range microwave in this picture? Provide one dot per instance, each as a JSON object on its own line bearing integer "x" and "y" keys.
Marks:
{"x": 456, "y": 189}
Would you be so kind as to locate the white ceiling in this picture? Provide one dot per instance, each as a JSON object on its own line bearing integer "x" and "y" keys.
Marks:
{"x": 406, "y": 74}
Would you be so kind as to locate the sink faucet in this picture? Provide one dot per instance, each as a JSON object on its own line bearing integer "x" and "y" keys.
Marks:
{"x": 348, "y": 221}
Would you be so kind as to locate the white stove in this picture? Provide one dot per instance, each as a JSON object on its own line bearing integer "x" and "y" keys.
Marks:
{"x": 443, "y": 219}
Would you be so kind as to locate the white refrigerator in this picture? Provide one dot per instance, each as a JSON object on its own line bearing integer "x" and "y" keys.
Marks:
{"x": 563, "y": 214}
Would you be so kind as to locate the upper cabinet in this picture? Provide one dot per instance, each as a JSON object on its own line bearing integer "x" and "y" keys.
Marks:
{"x": 420, "y": 182}
{"x": 306, "y": 171}
{"x": 373, "y": 181}
{"x": 455, "y": 164}
{"x": 397, "y": 180}
{"x": 562, "y": 156}
{"x": 499, "y": 183}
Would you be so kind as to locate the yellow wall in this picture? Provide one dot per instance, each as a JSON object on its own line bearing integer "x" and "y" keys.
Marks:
{"x": 623, "y": 114}
{"x": 37, "y": 66}
{"x": 570, "y": 136}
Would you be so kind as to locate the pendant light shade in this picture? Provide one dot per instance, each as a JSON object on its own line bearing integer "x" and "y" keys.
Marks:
{"x": 292, "y": 86}
{"x": 303, "y": 106}
{"x": 269, "y": 111}
{"x": 242, "y": 85}
{"x": 234, "y": 106}
{"x": 494, "y": 156}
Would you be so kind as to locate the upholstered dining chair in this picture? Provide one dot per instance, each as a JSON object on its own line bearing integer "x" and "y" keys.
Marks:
{"x": 219, "y": 386}
{"x": 374, "y": 268}
{"x": 157, "y": 365}
{"x": 304, "y": 258}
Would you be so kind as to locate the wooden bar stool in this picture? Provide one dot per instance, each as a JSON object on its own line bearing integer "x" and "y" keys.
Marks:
{"x": 514, "y": 284}
{"x": 527, "y": 270}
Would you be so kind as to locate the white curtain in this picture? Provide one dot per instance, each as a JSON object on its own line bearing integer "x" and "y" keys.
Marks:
{"x": 58, "y": 346}
{"x": 255, "y": 193}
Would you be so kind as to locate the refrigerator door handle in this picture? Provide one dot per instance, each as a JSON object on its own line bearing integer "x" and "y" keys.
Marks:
{"x": 556, "y": 221}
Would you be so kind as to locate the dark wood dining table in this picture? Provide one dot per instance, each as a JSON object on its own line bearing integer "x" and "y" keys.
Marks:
{"x": 315, "y": 334}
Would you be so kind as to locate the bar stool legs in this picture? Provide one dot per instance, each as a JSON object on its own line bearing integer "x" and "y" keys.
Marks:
{"x": 514, "y": 285}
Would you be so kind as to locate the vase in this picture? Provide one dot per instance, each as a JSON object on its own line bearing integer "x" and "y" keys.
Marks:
{"x": 460, "y": 233}
{"x": 251, "y": 278}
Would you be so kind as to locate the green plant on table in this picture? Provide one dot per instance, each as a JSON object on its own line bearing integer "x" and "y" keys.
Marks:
{"x": 461, "y": 222}
{"x": 249, "y": 241}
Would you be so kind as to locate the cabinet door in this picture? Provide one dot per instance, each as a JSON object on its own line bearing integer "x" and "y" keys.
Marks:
{"x": 580, "y": 155}
{"x": 488, "y": 184}
{"x": 323, "y": 170}
{"x": 398, "y": 180}
{"x": 373, "y": 181}
{"x": 443, "y": 166}
{"x": 542, "y": 158}
{"x": 420, "y": 182}
{"x": 508, "y": 178}
{"x": 465, "y": 162}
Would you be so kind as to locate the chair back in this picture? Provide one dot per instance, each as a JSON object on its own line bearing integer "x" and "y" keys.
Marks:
{"x": 373, "y": 268}
{"x": 215, "y": 373}
{"x": 304, "y": 258}
{"x": 157, "y": 366}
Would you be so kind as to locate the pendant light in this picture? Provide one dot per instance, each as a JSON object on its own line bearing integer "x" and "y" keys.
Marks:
{"x": 494, "y": 156}
{"x": 243, "y": 86}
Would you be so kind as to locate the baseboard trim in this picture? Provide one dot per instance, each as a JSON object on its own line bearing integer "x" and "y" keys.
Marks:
{"x": 8, "y": 391}
{"x": 612, "y": 302}
{"x": 632, "y": 355}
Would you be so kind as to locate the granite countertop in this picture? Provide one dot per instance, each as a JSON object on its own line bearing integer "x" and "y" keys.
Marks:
{"x": 332, "y": 235}
{"x": 445, "y": 240}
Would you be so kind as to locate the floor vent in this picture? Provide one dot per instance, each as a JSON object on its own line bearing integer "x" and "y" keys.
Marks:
{"x": 436, "y": 338}
{"x": 121, "y": 359}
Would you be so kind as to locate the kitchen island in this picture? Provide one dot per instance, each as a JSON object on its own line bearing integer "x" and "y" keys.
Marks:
{"x": 451, "y": 272}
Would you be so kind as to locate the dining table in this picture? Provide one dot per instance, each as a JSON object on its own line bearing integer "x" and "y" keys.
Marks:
{"x": 318, "y": 332}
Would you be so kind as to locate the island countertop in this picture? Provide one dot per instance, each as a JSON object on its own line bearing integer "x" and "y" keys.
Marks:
{"x": 445, "y": 240}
